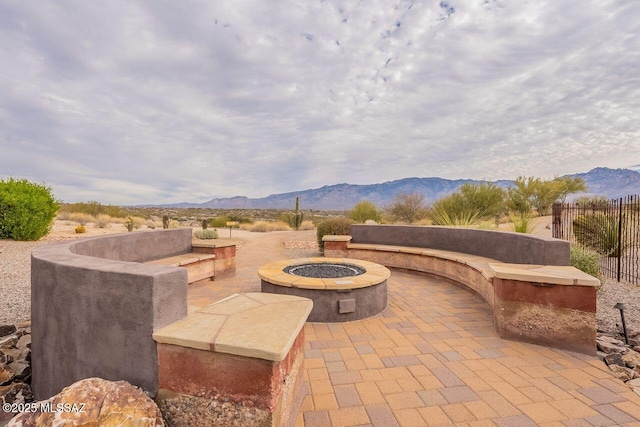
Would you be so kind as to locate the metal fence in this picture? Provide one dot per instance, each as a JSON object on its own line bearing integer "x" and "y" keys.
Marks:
{"x": 609, "y": 227}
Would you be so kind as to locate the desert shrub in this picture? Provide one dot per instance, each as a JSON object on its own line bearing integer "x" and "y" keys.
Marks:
{"x": 208, "y": 233}
{"x": 521, "y": 222}
{"x": 593, "y": 202}
{"x": 585, "y": 260}
{"x": 470, "y": 204}
{"x": 600, "y": 233}
{"x": 93, "y": 208}
{"x": 63, "y": 215}
{"x": 307, "y": 225}
{"x": 80, "y": 218}
{"x": 102, "y": 221}
{"x": 333, "y": 227}
{"x": 81, "y": 229}
{"x": 219, "y": 221}
{"x": 27, "y": 209}
{"x": 138, "y": 222}
{"x": 151, "y": 224}
{"x": 364, "y": 210}
{"x": 407, "y": 208}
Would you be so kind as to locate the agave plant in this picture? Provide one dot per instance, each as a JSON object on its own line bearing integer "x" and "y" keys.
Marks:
{"x": 458, "y": 219}
{"x": 521, "y": 222}
{"x": 600, "y": 233}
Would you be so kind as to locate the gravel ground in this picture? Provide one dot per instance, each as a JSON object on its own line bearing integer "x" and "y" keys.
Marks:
{"x": 15, "y": 290}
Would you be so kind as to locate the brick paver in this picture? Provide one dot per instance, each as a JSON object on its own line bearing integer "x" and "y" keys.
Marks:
{"x": 433, "y": 358}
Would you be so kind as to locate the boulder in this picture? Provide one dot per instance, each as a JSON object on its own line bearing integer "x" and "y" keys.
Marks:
{"x": 97, "y": 402}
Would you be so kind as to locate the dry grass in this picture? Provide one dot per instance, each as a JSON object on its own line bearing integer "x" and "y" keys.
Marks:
{"x": 266, "y": 226}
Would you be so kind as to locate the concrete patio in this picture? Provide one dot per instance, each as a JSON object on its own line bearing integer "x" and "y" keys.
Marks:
{"x": 433, "y": 358}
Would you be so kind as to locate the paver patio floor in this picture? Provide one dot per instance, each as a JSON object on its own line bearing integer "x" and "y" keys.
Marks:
{"x": 433, "y": 358}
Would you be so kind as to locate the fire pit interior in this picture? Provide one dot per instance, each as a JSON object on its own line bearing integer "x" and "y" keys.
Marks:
{"x": 341, "y": 289}
{"x": 324, "y": 270}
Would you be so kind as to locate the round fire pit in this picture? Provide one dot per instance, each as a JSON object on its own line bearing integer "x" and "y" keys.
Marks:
{"x": 342, "y": 289}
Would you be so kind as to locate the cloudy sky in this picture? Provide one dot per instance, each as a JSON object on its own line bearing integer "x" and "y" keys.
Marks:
{"x": 131, "y": 102}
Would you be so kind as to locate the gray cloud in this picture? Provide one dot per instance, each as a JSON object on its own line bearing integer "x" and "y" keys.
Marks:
{"x": 160, "y": 102}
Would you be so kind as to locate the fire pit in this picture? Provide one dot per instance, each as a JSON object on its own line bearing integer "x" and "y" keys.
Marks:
{"x": 341, "y": 289}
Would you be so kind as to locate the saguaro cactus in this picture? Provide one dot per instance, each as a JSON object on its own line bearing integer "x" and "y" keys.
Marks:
{"x": 165, "y": 222}
{"x": 297, "y": 216}
{"x": 204, "y": 224}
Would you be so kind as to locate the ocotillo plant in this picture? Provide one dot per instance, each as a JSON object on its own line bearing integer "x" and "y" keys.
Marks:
{"x": 297, "y": 216}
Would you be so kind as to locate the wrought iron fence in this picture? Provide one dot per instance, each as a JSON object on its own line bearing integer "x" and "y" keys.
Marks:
{"x": 609, "y": 227}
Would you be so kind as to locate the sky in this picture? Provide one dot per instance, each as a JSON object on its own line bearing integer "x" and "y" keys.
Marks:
{"x": 153, "y": 102}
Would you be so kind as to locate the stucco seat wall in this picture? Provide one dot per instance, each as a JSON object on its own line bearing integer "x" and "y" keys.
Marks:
{"x": 516, "y": 248}
{"x": 94, "y": 307}
{"x": 537, "y": 297}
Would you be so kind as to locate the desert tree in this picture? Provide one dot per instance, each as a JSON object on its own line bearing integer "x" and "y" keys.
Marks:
{"x": 407, "y": 208}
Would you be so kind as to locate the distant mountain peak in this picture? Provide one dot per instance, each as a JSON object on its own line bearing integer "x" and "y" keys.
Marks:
{"x": 607, "y": 182}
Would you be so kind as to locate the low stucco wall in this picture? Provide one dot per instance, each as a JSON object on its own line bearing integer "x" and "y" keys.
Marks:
{"x": 94, "y": 307}
{"x": 516, "y": 248}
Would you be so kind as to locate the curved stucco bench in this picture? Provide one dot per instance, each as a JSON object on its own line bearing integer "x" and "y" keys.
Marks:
{"x": 96, "y": 301}
{"x": 95, "y": 304}
{"x": 527, "y": 281}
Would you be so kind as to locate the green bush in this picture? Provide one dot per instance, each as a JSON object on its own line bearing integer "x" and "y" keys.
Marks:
{"x": 470, "y": 205}
{"x": 26, "y": 210}
{"x": 333, "y": 227}
{"x": 365, "y": 210}
{"x": 585, "y": 260}
{"x": 219, "y": 221}
{"x": 206, "y": 234}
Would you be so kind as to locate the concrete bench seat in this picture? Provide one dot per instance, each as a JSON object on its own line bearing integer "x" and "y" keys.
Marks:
{"x": 199, "y": 266}
{"x": 245, "y": 348}
{"x": 527, "y": 281}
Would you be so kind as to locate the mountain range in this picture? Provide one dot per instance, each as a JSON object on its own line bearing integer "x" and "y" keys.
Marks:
{"x": 610, "y": 183}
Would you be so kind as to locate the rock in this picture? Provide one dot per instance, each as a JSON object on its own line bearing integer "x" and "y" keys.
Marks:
{"x": 14, "y": 393}
{"x": 6, "y": 376}
{"x": 12, "y": 353}
{"x": 9, "y": 341}
{"x": 7, "y": 330}
{"x": 21, "y": 370}
{"x": 631, "y": 358}
{"x": 24, "y": 342}
{"x": 106, "y": 403}
{"x": 610, "y": 345}
{"x": 614, "y": 359}
{"x": 625, "y": 374}
{"x": 634, "y": 383}
{"x": 5, "y": 358}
